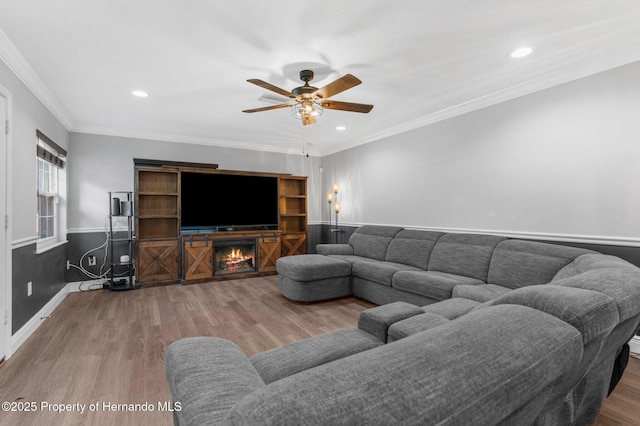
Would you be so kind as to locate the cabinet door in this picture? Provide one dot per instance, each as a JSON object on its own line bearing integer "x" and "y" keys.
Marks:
{"x": 158, "y": 261}
{"x": 198, "y": 259}
{"x": 294, "y": 244}
{"x": 268, "y": 253}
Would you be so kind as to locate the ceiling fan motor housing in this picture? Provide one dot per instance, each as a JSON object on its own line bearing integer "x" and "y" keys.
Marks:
{"x": 306, "y": 90}
{"x": 306, "y": 75}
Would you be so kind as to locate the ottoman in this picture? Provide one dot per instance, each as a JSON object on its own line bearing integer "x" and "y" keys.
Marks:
{"x": 313, "y": 277}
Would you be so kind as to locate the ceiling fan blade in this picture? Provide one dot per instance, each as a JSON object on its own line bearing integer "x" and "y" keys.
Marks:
{"x": 340, "y": 85}
{"x": 267, "y": 108}
{"x": 346, "y": 106}
{"x": 271, "y": 87}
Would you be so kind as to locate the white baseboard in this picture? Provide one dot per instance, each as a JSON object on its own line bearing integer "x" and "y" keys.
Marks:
{"x": 634, "y": 344}
{"x": 32, "y": 325}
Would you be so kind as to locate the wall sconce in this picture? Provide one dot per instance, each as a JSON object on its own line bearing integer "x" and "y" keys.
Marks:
{"x": 332, "y": 197}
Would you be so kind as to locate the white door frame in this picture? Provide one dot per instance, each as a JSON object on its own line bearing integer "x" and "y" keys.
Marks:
{"x": 5, "y": 209}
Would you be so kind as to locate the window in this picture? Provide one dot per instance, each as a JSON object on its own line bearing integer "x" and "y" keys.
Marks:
{"x": 47, "y": 199}
{"x": 50, "y": 159}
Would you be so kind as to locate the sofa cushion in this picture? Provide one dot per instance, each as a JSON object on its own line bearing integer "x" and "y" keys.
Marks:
{"x": 412, "y": 247}
{"x": 589, "y": 262}
{"x": 480, "y": 293}
{"x": 312, "y": 267}
{"x": 464, "y": 254}
{"x": 376, "y": 321}
{"x": 351, "y": 258}
{"x": 372, "y": 241}
{"x": 281, "y": 362}
{"x": 327, "y": 249}
{"x": 519, "y": 263}
{"x": 407, "y": 327}
{"x": 435, "y": 285}
{"x": 451, "y": 308}
{"x": 379, "y": 272}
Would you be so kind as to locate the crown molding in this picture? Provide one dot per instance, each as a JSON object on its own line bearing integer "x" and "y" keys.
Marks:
{"x": 21, "y": 68}
{"x": 168, "y": 137}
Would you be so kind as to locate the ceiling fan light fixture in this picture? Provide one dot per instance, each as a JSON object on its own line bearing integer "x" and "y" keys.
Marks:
{"x": 306, "y": 109}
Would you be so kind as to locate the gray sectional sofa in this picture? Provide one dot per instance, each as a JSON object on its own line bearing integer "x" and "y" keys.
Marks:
{"x": 390, "y": 264}
{"x": 471, "y": 329}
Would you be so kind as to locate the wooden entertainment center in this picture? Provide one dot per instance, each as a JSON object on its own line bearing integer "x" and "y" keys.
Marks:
{"x": 167, "y": 252}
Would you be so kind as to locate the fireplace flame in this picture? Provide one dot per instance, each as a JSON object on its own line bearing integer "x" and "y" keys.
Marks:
{"x": 234, "y": 260}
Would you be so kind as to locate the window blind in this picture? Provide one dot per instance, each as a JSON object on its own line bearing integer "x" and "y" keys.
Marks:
{"x": 50, "y": 151}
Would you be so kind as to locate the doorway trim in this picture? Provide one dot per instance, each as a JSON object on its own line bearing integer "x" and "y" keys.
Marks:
{"x": 6, "y": 227}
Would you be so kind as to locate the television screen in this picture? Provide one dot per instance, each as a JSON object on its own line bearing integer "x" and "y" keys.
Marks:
{"x": 210, "y": 200}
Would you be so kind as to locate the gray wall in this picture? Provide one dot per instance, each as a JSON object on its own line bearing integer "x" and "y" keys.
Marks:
{"x": 46, "y": 270}
{"x": 559, "y": 163}
{"x": 47, "y": 273}
{"x": 29, "y": 114}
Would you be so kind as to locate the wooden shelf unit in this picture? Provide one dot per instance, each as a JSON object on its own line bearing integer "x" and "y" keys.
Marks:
{"x": 157, "y": 224}
{"x": 292, "y": 192}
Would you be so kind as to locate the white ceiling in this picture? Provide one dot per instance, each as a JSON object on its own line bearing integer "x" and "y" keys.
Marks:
{"x": 420, "y": 61}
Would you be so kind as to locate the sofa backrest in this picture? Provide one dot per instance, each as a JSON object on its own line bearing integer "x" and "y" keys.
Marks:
{"x": 590, "y": 262}
{"x": 372, "y": 241}
{"x": 464, "y": 254}
{"x": 412, "y": 247}
{"x": 520, "y": 263}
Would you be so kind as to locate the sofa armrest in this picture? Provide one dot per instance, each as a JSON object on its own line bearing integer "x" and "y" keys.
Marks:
{"x": 593, "y": 314}
{"x": 376, "y": 321}
{"x": 207, "y": 376}
{"x": 328, "y": 249}
{"x": 293, "y": 358}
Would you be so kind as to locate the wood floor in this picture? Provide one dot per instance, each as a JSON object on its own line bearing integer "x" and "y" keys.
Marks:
{"x": 107, "y": 348}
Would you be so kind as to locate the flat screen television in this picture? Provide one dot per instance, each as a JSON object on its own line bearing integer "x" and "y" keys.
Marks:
{"x": 214, "y": 201}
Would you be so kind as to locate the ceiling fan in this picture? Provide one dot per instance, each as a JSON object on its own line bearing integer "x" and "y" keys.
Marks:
{"x": 308, "y": 102}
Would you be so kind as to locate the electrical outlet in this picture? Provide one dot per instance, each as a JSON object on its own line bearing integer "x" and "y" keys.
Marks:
{"x": 68, "y": 265}
{"x": 92, "y": 261}
{"x": 29, "y": 288}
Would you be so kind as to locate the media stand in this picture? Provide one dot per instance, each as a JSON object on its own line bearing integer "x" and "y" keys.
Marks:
{"x": 166, "y": 255}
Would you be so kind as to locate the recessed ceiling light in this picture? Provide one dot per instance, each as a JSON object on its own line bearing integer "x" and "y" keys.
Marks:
{"x": 521, "y": 52}
{"x": 140, "y": 93}
{"x": 341, "y": 128}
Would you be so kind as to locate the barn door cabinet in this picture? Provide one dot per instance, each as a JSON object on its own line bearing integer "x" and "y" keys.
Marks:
{"x": 157, "y": 225}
